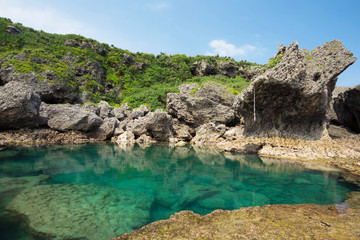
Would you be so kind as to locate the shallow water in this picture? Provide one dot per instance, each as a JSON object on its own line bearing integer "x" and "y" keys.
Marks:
{"x": 103, "y": 190}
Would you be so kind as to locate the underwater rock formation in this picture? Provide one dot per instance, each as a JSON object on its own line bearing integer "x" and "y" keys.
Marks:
{"x": 83, "y": 211}
{"x": 292, "y": 98}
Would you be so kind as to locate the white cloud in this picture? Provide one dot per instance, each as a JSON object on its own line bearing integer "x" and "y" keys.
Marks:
{"x": 159, "y": 6}
{"x": 223, "y": 48}
{"x": 47, "y": 19}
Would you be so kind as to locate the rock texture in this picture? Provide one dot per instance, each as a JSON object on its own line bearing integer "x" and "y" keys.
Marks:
{"x": 346, "y": 106}
{"x": 19, "y": 106}
{"x": 71, "y": 117}
{"x": 304, "y": 221}
{"x": 209, "y": 133}
{"x": 196, "y": 105}
{"x": 86, "y": 211}
{"x": 156, "y": 124}
{"x": 292, "y": 98}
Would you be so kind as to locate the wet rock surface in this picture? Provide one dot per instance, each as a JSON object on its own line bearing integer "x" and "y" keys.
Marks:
{"x": 81, "y": 211}
{"x": 267, "y": 222}
{"x": 292, "y": 98}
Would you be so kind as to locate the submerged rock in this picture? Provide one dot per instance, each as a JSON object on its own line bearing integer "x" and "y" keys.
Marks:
{"x": 292, "y": 98}
{"x": 86, "y": 211}
{"x": 196, "y": 105}
{"x": 19, "y": 106}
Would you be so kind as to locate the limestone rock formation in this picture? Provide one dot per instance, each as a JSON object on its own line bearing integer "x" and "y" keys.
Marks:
{"x": 204, "y": 68}
{"x": 105, "y": 109}
{"x": 209, "y": 133}
{"x": 106, "y": 129}
{"x": 71, "y": 117}
{"x": 292, "y": 98}
{"x": 121, "y": 112}
{"x": 196, "y": 105}
{"x": 346, "y": 106}
{"x": 19, "y": 106}
{"x": 156, "y": 124}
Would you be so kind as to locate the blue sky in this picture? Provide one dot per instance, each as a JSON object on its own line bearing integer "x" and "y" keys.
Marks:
{"x": 245, "y": 30}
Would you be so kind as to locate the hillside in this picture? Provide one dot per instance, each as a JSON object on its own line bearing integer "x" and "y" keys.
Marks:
{"x": 79, "y": 66}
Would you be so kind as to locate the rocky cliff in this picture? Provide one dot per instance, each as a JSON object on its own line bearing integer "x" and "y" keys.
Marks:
{"x": 292, "y": 99}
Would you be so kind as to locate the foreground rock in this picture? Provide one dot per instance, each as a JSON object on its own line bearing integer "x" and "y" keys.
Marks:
{"x": 86, "y": 211}
{"x": 19, "y": 106}
{"x": 292, "y": 98}
{"x": 267, "y": 222}
{"x": 196, "y": 105}
{"x": 346, "y": 106}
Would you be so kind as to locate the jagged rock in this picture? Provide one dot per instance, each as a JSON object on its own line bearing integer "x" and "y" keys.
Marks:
{"x": 13, "y": 30}
{"x": 53, "y": 92}
{"x": 203, "y": 68}
{"x": 106, "y": 129}
{"x": 85, "y": 45}
{"x": 182, "y": 131}
{"x": 126, "y": 137}
{"x": 91, "y": 107}
{"x": 346, "y": 106}
{"x": 144, "y": 139}
{"x": 209, "y": 133}
{"x": 71, "y": 117}
{"x": 19, "y": 106}
{"x": 121, "y": 112}
{"x": 332, "y": 117}
{"x": 292, "y": 98}
{"x": 128, "y": 59}
{"x": 71, "y": 43}
{"x": 156, "y": 124}
{"x": 49, "y": 92}
{"x": 196, "y": 105}
{"x": 105, "y": 110}
{"x": 250, "y": 72}
{"x": 228, "y": 69}
{"x": 139, "y": 112}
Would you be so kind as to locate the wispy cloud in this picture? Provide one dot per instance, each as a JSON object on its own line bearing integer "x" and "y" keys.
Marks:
{"x": 159, "y": 6}
{"x": 47, "y": 19}
{"x": 223, "y": 48}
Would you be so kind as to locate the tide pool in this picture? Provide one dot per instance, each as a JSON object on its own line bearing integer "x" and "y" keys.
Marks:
{"x": 98, "y": 191}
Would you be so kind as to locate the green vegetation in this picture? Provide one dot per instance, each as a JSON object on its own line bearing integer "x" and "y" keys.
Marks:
{"x": 308, "y": 57}
{"x": 273, "y": 62}
{"x": 104, "y": 72}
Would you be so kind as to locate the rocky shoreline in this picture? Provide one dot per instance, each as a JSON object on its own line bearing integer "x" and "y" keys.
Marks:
{"x": 288, "y": 112}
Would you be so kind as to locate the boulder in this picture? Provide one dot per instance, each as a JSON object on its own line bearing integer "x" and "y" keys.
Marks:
{"x": 105, "y": 109}
{"x": 126, "y": 137}
{"x": 139, "y": 112}
{"x": 292, "y": 98}
{"x": 209, "y": 133}
{"x": 121, "y": 112}
{"x": 91, "y": 107}
{"x": 346, "y": 106}
{"x": 228, "y": 69}
{"x": 156, "y": 124}
{"x": 196, "y": 105}
{"x": 71, "y": 117}
{"x": 106, "y": 129}
{"x": 19, "y": 106}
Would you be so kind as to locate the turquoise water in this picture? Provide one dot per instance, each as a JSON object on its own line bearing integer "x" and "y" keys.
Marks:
{"x": 69, "y": 191}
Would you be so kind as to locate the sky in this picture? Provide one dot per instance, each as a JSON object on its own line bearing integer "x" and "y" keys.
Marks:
{"x": 248, "y": 30}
